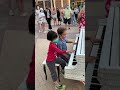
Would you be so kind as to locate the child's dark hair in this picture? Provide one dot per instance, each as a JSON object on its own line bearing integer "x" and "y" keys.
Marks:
{"x": 61, "y": 30}
{"x": 51, "y": 35}
{"x": 31, "y": 23}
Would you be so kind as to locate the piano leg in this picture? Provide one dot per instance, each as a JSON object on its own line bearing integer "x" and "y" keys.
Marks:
{"x": 58, "y": 70}
{"x": 44, "y": 67}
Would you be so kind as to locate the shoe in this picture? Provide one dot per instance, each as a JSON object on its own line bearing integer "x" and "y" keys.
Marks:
{"x": 60, "y": 87}
{"x": 11, "y": 13}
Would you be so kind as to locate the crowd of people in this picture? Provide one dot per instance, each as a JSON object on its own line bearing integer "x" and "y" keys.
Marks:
{"x": 67, "y": 15}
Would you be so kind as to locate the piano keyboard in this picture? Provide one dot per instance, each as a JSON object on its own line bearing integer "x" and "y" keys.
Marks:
{"x": 77, "y": 72}
{"x": 92, "y": 82}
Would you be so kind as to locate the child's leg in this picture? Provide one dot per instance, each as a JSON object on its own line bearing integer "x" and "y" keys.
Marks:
{"x": 61, "y": 62}
{"x": 51, "y": 66}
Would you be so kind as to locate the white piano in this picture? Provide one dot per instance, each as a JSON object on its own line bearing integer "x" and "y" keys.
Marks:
{"x": 77, "y": 72}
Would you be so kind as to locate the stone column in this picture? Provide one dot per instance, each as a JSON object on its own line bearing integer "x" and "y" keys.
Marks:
{"x": 54, "y": 3}
{"x": 51, "y": 4}
{"x": 44, "y": 4}
{"x": 69, "y": 3}
{"x": 61, "y": 3}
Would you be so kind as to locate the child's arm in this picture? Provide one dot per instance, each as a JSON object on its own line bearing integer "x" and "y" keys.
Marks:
{"x": 70, "y": 42}
{"x": 61, "y": 51}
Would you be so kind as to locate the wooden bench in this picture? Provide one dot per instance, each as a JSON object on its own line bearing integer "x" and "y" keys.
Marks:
{"x": 90, "y": 66}
{"x": 44, "y": 68}
{"x": 109, "y": 66}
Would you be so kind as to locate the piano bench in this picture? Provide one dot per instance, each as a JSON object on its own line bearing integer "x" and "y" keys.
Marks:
{"x": 57, "y": 66}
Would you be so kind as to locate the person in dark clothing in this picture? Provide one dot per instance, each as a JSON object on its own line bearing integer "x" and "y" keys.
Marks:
{"x": 58, "y": 16}
{"x": 45, "y": 12}
{"x": 49, "y": 19}
{"x": 30, "y": 81}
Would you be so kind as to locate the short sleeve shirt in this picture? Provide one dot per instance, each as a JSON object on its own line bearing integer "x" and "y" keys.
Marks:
{"x": 67, "y": 13}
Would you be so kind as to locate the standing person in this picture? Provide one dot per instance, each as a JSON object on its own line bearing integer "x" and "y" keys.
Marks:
{"x": 81, "y": 18}
{"x": 37, "y": 11}
{"x": 49, "y": 18}
{"x": 67, "y": 16}
{"x": 58, "y": 17}
{"x": 62, "y": 13}
{"x": 52, "y": 58}
{"x": 42, "y": 20}
{"x": 21, "y": 7}
{"x": 73, "y": 20}
{"x": 76, "y": 12}
{"x": 54, "y": 16}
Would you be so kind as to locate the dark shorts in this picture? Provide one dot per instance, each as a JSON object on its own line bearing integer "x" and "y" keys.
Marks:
{"x": 67, "y": 21}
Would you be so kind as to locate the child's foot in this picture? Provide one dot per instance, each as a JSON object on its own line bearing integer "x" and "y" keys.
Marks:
{"x": 60, "y": 87}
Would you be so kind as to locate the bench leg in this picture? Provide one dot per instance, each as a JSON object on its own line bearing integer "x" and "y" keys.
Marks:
{"x": 58, "y": 70}
{"x": 44, "y": 67}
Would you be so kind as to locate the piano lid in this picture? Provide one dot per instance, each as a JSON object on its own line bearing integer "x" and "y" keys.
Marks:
{"x": 81, "y": 43}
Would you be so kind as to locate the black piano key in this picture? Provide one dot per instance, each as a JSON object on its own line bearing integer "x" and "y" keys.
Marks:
{"x": 94, "y": 80}
{"x": 74, "y": 63}
{"x": 100, "y": 46}
{"x": 99, "y": 51}
{"x": 97, "y": 61}
{"x": 95, "y": 72}
{"x": 95, "y": 87}
{"x": 96, "y": 66}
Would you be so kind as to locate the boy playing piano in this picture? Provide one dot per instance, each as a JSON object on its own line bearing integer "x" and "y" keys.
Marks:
{"x": 62, "y": 32}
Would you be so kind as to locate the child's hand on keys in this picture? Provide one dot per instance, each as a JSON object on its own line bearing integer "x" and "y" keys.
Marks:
{"x": 71, "y": 51}
{"x": 74, "y": 42}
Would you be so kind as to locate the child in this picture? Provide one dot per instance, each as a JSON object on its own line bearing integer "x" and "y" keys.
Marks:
{"x": 62, "y": 32}
{"x": 30, "y": 82}
{"x": 52, "y": 59}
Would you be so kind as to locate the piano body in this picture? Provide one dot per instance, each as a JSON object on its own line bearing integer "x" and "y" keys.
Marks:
{"x": 77, "y": 72}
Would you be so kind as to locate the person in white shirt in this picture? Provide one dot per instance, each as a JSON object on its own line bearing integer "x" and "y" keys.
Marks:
{"x": 76, "y": 12}
{"x": 37, "y": 11}
{"x": 42, "y": 20}
{"x": 54, "y": 16}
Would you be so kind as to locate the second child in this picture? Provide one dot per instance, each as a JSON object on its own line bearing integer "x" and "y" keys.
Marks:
{"x": 52, "y": 58}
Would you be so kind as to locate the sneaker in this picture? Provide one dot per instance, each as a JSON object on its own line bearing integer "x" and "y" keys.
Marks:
{"x": 60, "y": 87}
{"x": 11, "y": 13}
